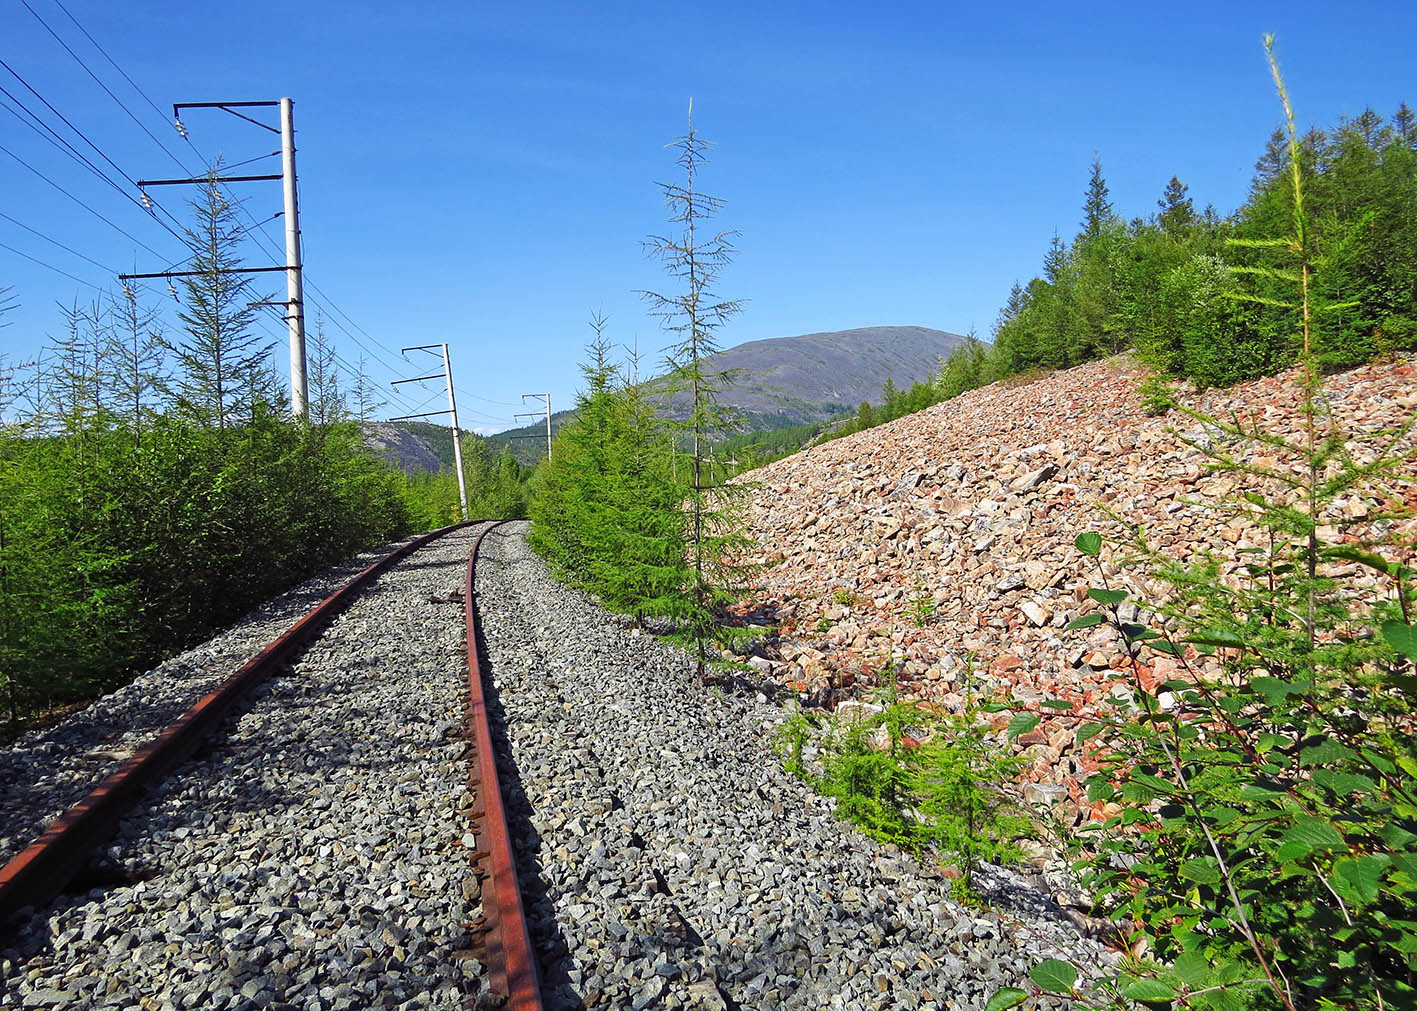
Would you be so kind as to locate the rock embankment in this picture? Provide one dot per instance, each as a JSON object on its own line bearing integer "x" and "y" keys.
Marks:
{"x": 968, "y": 511}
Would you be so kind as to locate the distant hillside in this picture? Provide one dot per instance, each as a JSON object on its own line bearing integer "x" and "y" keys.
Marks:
{"x": 786, "y": 381}
{"x": 412, "y": 446}
{"x": 419, "y": 447}
{"x": 792, "y": 380}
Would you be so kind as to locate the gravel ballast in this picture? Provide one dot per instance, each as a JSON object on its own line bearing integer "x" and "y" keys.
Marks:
{"x": 312, "y": 855}
{"x": 669, "y": 861}
{"x": 45, "y": 772}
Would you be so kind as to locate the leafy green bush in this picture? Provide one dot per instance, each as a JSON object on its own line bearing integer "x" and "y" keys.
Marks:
{"x": 1265, "y": 853}
{"x": 911, "y": 776}
{"x": 1156, "y": 393}
{"x": 120, "y": 546}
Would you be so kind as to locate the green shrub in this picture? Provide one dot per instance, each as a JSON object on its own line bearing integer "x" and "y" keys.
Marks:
{"x": 918, "y": 779}
{"x": 1266, "y": 850}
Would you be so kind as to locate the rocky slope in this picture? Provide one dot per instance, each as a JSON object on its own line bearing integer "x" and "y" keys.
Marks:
{"x": 971, "y": 507}
{"x": 402, "y": 448}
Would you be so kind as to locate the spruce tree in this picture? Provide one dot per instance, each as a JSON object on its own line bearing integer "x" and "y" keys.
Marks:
{"x": 1178, "y": 213}
{"x": 1271, "y": 164}
{"x": 694, "y": 256}
{"x": 1405, "y": 125}
{"x": 1096, "y": 208}
{"x": 139, "y": 354}
{"x": 890, "y": 400}
{"x": 365, "y": 394}
{"x": 568, "y": 510}
{"x": 327, "y": 405}
{"x": 608, "y": 514}
{"x": 1011, "y": 308}
{"x": 219, "y": 353}
{"x": 647, "y": 571}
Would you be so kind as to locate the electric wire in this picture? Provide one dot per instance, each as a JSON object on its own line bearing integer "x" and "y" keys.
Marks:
{"x": 110, "y": 59}
{"x": 99, "y": 82}
{"x": 235, "y": 201}
{"x": 121, "y": 104}
{"x": 49, "y": 134}
{"x": 324, "y": 302}
{"x": 394, "y": 392}
{"x": 68, "y": 148}
{"x": 85, "y": 138}
{"x": 50, "y": 266}
{"x": 82, "y": 136}
{"x": 50, "y": 239}
{"x": 81, "y": 203}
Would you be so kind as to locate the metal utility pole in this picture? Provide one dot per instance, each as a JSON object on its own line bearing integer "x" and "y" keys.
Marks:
{"x": 452, "y": 411}
{"x": 295, "y": 302}
{"x": 547, "y": 398}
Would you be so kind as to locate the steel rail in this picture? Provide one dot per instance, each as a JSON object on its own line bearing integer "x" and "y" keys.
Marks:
{"x": 41, "y": 871}
{"x": 505, "y": 940}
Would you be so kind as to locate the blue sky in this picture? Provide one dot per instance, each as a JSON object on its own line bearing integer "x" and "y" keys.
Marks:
{"x": 484, "y": 174}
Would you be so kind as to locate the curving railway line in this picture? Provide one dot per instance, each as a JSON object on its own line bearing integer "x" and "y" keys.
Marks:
{"x": 453, "y": 783}
{"x": 332, "y": 841}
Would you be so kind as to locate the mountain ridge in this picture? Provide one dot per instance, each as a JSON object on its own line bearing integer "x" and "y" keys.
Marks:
{"x": 805, "y": 378}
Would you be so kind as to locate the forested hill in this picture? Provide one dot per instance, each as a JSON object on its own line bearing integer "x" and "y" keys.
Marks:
{"x": 785, "y": 381}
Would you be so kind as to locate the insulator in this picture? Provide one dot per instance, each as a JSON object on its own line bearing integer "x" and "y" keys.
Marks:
{"x": 172, "y": 291}
{"x": 182, "y": 130}
{"x": 129, "y": 293}
{"x": 143, "y": 197}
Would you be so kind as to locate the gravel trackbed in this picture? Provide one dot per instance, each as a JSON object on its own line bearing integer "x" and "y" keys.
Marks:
{"x": 667, "y": 858}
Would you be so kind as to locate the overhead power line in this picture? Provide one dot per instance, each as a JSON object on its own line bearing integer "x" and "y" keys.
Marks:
{"x": 51, "y": 136}
{"x": 50, "y": 266}
{"x": 99, "y": 81}
{"x": 85, "y": 206}
{"x": 316, "y": 296}
{"x": 110, "y": 59}
{"x": 76, "y": 153}
{"x": 82, "y": 136}
{"x": 56, "y": 242}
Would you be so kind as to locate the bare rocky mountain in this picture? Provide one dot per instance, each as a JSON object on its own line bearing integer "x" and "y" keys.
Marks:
{"x": 402, "y": 447}
{"x": 964, "y": 515}
{"x": 791, "y": 380}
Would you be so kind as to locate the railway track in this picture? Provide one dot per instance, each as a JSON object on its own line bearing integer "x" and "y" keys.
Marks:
{"x": 474, "y": 789}
{"x": 667, "y": 859}
{"x": 316, "y": 851}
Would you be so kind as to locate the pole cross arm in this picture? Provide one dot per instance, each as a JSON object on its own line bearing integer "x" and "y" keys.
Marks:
{"x": 410, "y": 417}
{"x": 229, "y": 107}
{"x": 208, "y": 179}
{"x": 202, "y": 273}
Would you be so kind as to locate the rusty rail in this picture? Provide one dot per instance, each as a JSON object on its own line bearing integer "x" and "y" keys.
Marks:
{"x": 505, "y": 939}
{"x": 42, "y": 870}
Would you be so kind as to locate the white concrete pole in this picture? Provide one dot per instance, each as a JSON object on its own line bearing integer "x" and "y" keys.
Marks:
{"x": 548, "y": 428}
{"x": 457, "y": 439}
{"x": 295, "y": 306}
